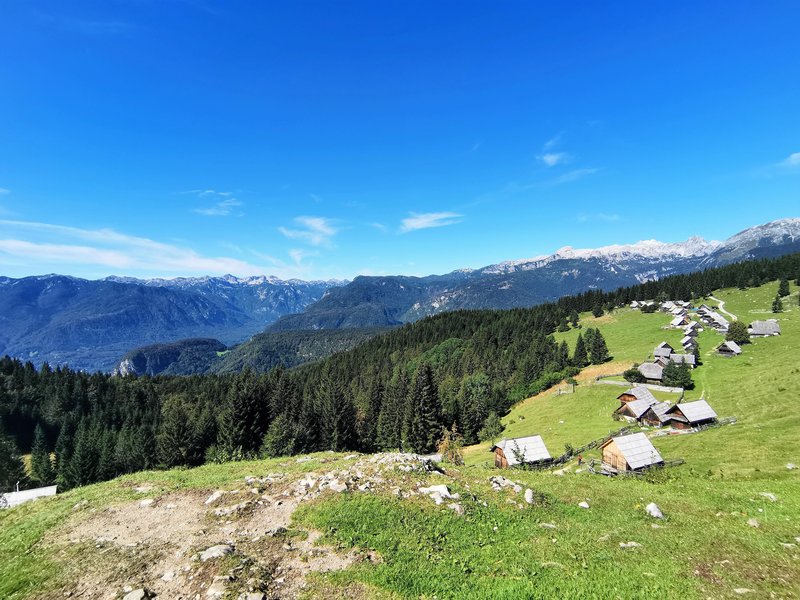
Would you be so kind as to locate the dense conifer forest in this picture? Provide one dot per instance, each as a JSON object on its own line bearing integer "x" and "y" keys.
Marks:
{"x": 398, "y": 390}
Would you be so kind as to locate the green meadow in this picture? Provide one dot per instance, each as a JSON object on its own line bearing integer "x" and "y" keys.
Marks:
{"x": 499, "y": 548}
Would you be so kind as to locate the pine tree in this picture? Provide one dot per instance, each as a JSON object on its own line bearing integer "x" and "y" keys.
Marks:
{"x": 232, "y": 426}
{"x": 563, "y": 325}
{"x": 783, "y": 288}
{"x": 280, "y": 437}
{"x": 12, "y": 469}
{"x": 337, "y": 415}
{"x": 580, "y": 357}
{"x": 597, "y": 310}
{"x": 777, "y": 305}
{"x": 598, "y": 351}
{"x": 574, "y": 318}
{"x": 176, "y": 443}
{"x": 82, "y": 467}
{"x": 675, "y": 375}
{"x": 474, "y": 401}
{"x": 65, "y": 446}
{"x": 737, "y": 332}
{"x": 391, "y": 418}
{"x": 425, "y": 412}
{"x": 107, "y": 462}
{"x": 42, "y": 471}
{"x": 492, "y": 428}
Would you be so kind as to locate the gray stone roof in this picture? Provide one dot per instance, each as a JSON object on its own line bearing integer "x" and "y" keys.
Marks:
{"x": 697, "y": 410}
{"x": 640, "y": 393}
{"x": 683, "y": 358}
{"x": 732, "y": 347}
{"x": 532, "y": 449}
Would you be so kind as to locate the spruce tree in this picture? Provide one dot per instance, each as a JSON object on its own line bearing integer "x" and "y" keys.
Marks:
{"x": 737, "y": 332}
{"x": 82, "y": 467}
{"x": 42, "y": 471}
{"x": 337, "y": 415}
{"x": 65, "y": 445}
{"x": 176, "y": 443}
{"x": 580, "y": 357}
{"x": 598, "y": 351}
{"x": 12, "y": 469}
{"x": 280, "y": 437}
{"x": 393, "y": 410}
{"x": 783, "y": 288}
{"x": 474, "y": 401}
{"x": 425, "y": 424}
{"x": 777, "y": 305}
{"x": 574, "y": 318}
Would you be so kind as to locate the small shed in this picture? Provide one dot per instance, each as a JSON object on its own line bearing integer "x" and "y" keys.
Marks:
{"x": 651, "y": 371}
{"x": 729, "y": 349}
{"x": 766, "y": 328}
{"x": 630, "y": 453}
{"x": 633, "y": 411}
{"x": 688, "y": 342}
{"x": 531, "y": 450}
{"x": 679, "y": 322}
{"x": 663, "y": 349}
{"x": 691, "y": 414}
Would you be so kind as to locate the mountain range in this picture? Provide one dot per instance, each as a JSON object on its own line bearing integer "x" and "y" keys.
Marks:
{"x": 92, "y": 324}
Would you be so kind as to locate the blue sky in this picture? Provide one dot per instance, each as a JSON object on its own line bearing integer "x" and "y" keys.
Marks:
{"x": 329, "y": 139}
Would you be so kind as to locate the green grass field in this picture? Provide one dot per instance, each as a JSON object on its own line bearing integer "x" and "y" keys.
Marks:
{"x": 704, "y": 547}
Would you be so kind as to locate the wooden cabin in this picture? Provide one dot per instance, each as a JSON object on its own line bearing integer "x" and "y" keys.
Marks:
{"x": 766, "y": 328}
{"x": 686, "y": 415}
{"x": 656, "y": 415}
{"x": 630, "y": 453}
{"x": 729, "y": 349}
{"x": 683, "y": 359}
{"x": 663, "y": 349}
{"x": 525, "y": 450}
{"x": 638, "y": 392}
{"x": 633, "y": 411}
{"x": 652, "y": 372}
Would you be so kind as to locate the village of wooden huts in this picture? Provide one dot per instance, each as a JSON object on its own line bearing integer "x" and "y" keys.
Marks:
{"x": 630, "y": 453}
{"x": 639, "y": 405}
{"x": 519, "y": 451}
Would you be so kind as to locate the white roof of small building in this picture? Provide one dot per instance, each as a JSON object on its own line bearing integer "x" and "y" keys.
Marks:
{"x": 731, "y": 346}
{"x": 697, "y": 410}
{"x": 677, "y": 322}
{"x": 531, "y": 448}
{"x": 637, "y": 450}
{"x": 688, "y": 341}
{"x": 641, "y": 393}
{"x": 651, "y": 371}
{"x": 769, "y": 327}
{"x": 682, "y": 359}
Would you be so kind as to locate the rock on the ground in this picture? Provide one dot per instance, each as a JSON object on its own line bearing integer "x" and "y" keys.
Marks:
{"x": 216, "y": 552}
{"x": 753, "y": 523}
{"x": 769, "y": 496}
{"x": 743, "y": 591}
{"x": 791, "y": 466}
{"x": 456, "y": 508}
{"x": 214, "y": 497}
{"x": 529, "y": 496}
{"x": 653, "y": 510}
{"x": 168, "y": 576}
{"x": 630, "y": 545}
{"x": 140, "y": 594}
{"x": 583, "y": 504}
{"x": 547, "y": 525}
{"x": 337, "y": 486}
{"x": 146, "y": 502}
{"x": 252, "y": 596}
{"x": 442, "y": 491}
{"x": 218, "y": 588}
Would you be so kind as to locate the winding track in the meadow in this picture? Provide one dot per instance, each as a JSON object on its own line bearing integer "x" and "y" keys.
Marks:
{"x": 722, "y": 308}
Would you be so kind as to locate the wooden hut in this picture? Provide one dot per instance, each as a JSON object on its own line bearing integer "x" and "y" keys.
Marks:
{"x": 630, "y": 453}
{"x": 638, "y": 392}
{"x": 729, "y": 349}
{"x": 766, "y": 328}
{"x": 686, "y": 415}
{"x": 656, "y": 415}
{"x": 525, "y": 450}
{"x": 652, "y": 372}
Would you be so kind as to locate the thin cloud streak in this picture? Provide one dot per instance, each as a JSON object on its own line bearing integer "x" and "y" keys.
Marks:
{"x": 417, "y": 221}
{"x": 317, "y": 231}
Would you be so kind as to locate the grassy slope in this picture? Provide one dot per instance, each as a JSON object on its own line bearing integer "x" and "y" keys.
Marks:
{"x": 703, "y": 549}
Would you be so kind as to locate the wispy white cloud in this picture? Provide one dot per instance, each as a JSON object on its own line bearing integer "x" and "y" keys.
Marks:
{"x": 416, "y": 221}
{"x": 792, "y": 161}
{"x": 317, "y": 231}
{"x": 42, "y": 245}
{"x": 379, "y": 226}
{"x": 553, "y": 141}
{"x": 4, "y": 191}
{"x": 573, "y": 175}
{"x": 551, "y": 159}
{"x": 603, "y": 217}
{"x": 224, "y": 203}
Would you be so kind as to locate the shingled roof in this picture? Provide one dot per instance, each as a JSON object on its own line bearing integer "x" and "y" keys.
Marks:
{"x": 729, "y": 347}
{"x": 769, "y": 327}
{"x": 531, "y": 448}
{"x": 651, "y": 371}
{"x": 695, "y": 411}
{"x": 640, "y": 393}
{"x": 637, "y": 450}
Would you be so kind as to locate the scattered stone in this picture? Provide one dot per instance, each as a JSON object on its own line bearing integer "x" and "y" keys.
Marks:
{"x": 214, "y": 497}
{"x": 140, "y": 594}
{"x": 559, "y": 472}
{"x": 143, "y": 489}
{"x": 547, "y": 525}
{"x": 351, "y": 456}
{"x": 753, "y": 523}
{"x": 437, "y": 492}
{"x": 252, "y": 596}
{"x": 791, "y": 466}
{"x": 769, "y": 496}
{"x": 337, "y": 486}
{"x": 630, "y": 545}
{"x": 656, "y": 526}
{"x": 224, "y": 512}
{"x": 168, "y": 576}
{"x": 216, "y": 552}
{"x": 218, "y": 588}
{"x": 788, "y": 546}
{"x": 583, "y": 504}
{"x": 456, "y": 508}
{"x": 499, "y": 482}
{"x": 80, "y": 504}
{"x": 146, "y": 502}
{"x": 529, "y": 496}
{"x": 517, "y": 488}
{"x": 743, "y": 591}
{"x": 653, "y": 510}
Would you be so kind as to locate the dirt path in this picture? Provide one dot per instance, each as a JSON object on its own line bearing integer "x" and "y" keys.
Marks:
{"x": 722, "y": 308}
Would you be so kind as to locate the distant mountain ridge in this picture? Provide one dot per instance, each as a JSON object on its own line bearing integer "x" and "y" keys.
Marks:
{"x": 393, "y": 300}
{"x": 91, "y": 324}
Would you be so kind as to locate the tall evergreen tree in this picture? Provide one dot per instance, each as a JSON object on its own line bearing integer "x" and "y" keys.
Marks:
{"x": 425, "y": 424}
{"x": 598, "y": 351}
{"x": 737, "y": 332}
{"x": 42, "y": 471}
{"x": 12, "y": 469}
{"x": 580, "y": 357}
{"x": 337, "y": 415}
{"x": 783, "y": 288}
{"x": 474, "y": 402}
{"x": 176, "y": 442}
{"x": 82, "y": 467}
{"x": 390, "y": 420}
{"x": 777, "y": 305}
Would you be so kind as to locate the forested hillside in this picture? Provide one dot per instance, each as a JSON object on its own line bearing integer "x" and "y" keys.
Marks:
{"x": 399, "y": 389}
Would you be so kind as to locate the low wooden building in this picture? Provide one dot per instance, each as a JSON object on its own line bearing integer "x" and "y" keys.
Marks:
{"x": 637, "y": 392}
{"x": 663, "y": 349}
{"x": 729, "y": 349}
{"x": 656, "y": 415}
{"x": 686, "y": 415}
{"x": 683, "y": 359}
{"x": 766, "y": 328}
{"x": 632, "y": 452}
{"x": 652, "y": 372}
{"x": 516, "y": 451}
